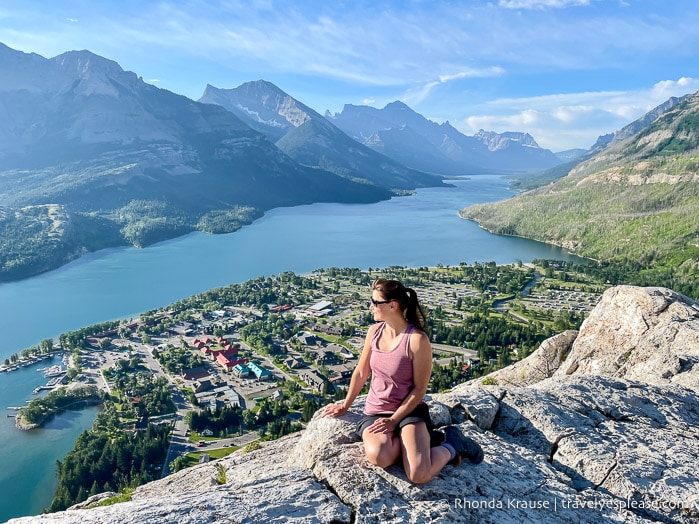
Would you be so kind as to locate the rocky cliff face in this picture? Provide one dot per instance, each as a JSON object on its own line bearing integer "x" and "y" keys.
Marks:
{"x": 595, "y": 426}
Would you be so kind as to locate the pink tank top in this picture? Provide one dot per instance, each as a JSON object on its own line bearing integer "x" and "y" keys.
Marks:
{"x": 391, "y": 374}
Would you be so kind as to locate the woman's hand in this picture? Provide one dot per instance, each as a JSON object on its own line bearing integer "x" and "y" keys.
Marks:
{"x": 383, "y": 425}
{"x": 334, "y": 410}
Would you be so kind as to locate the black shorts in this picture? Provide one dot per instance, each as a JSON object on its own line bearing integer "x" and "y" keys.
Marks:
{"x": 420, "y": 414}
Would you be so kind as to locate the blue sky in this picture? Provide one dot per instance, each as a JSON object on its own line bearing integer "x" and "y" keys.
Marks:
{"x": 564, "y": 71}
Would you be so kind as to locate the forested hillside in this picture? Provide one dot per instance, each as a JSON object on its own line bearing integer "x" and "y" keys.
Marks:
{"x": 635, "y": 204}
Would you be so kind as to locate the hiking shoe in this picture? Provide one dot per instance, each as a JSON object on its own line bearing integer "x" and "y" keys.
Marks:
{"x": 465, "y": 447}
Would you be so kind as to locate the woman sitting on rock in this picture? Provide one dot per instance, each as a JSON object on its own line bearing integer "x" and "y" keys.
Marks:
{"x": 396, "y": 422}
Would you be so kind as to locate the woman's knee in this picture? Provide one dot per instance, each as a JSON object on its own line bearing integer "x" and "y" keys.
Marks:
{"x": 420, "y": 476}
{"x": 381, "y": 457}
{"x": 381, "y": 454}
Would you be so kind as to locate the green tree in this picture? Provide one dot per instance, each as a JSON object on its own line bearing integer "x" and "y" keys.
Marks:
{"x": 249, "y": 418}
{"x": 178, "y": 464}
{"x": 309, "y": 408}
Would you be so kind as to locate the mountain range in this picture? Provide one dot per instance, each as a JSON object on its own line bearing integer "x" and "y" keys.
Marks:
{"x": 310, "y": 139}
{"x": 401, "y": 133}
{"x": 81, "y": 132}
{"x": 91, "y": 156}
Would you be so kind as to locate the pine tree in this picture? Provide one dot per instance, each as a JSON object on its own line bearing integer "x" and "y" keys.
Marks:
{"x": 95, "y": 489}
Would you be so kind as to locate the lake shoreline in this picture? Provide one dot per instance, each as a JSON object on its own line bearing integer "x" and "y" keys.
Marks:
{"x": 121, "y": 283}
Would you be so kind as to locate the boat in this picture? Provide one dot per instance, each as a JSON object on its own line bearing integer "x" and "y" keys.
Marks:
{"x": 54, "y": 371}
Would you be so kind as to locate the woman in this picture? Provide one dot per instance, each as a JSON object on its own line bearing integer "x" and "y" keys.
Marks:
{"x": 396, "y": 422}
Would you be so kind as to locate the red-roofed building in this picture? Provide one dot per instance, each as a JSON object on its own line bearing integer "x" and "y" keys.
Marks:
{"x": 230, "y": 351}
{"x": 228, "y": 363}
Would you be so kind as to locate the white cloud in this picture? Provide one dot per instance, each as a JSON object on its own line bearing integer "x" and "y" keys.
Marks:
{"x": 445, "y": 59}
{"x": 668, "y": 88}
{"x": 473, "y": 73}
{"x": 568, "y": 114}
{"x": 501, "y": 123}
{"x": 74, "y": 20}
{"x": 564, "y": 121}
{"x": 419, "y": 94}
{"x": 370, "y": 101}
{"x": 540, "y": 4}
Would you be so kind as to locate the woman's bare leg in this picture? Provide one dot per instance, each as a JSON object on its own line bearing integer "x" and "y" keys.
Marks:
{"x": 421, "y": 462}
{"x": 382, "y": 449}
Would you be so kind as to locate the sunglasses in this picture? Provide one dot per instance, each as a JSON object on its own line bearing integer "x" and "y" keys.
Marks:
{"x": 377, "y": 302}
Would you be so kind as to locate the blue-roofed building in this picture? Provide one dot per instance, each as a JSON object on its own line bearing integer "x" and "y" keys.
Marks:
{"x": 259, "y": 372}
{"x": 241, "y": 370}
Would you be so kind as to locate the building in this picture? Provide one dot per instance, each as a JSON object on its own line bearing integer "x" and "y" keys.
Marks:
{"x": 277, "y": 395}
{"x": 325, "y": 357}
{"x": 294, "y": 363}
{"x": 229, "y": 362}
{"x": 341, "y": 377}
{"x": 182, "y": 329}
{"x": 194, "y": 373}
{"x": 326, "y": 328}
{"x": 228, "y": 351}
{"x": 312, "y": 379}
{"x": 259, "y": 372}
{"x": 319, "y": 309}
{"x": 307, "y": 338}
{"x": 341, "y": 350}
{"x": 202, "y": 385}
{"x": 241, "y": 370}
{"x": 223, "y": 394}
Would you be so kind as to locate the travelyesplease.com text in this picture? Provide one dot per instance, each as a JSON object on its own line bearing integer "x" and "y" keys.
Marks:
{"x": 556, "y": 504}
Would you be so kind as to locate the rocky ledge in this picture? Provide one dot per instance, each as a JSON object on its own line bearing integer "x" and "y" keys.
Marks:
{"x": 596, "y": 426}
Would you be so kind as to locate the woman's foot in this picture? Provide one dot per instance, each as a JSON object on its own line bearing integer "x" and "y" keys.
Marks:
{"x": 465, "y": 447}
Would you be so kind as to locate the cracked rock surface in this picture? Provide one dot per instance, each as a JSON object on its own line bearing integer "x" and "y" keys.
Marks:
{"x": 596, "y": 426}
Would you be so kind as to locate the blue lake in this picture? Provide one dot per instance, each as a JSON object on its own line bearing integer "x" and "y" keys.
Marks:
{"x": 419, "y": 230}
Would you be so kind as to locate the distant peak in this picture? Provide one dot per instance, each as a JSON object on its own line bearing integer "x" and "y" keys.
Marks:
{"x": 496, "y": 141}
{"x": 261, "y": 84}
{"x": 6, "y": 51}
{"x": 209, "y": 89}
{"x": 397, "y": 105}
{"x": 86, "y": 61}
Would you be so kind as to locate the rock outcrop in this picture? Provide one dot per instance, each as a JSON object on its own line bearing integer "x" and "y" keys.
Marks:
{"x": 541, "y": 364}
{"x": 610, "y": 436}
{"x": 645, "y": 334}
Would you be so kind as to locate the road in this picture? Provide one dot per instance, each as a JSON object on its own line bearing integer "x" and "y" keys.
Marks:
{"x": 467, "y": 353}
